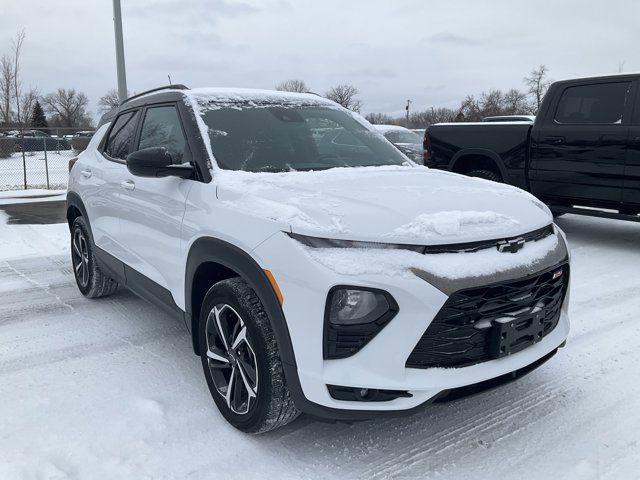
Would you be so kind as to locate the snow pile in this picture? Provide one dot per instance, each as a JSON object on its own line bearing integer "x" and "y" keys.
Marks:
{"x": 248, "y": 192}
{"x": 289, "y": 214}
{"x": 257, "y": 182}
{"x": 451, "y": 223}
{"x": 400, "y": 263}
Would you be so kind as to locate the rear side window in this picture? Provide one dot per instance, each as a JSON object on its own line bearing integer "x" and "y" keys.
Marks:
{"x": 602, "y": 103}
{"x": 121, "y": 136}
{"x": 161, "y": 128}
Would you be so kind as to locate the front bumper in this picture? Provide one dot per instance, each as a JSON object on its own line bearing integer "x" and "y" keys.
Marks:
{"x": 381, "y": 363}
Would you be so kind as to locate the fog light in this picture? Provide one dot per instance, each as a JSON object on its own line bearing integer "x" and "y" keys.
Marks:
{"x": 351, "y": 306}
{"x": 352, "y": 317}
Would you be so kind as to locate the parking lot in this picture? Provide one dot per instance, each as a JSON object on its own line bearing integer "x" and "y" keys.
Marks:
{"x": 110, "y": 388}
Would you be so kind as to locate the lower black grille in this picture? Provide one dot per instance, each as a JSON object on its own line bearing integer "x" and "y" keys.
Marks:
{"x": 463, "y": 332}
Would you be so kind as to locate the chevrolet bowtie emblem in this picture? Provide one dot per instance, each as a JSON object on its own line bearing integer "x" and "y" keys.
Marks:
{"x": 511, "y": 246}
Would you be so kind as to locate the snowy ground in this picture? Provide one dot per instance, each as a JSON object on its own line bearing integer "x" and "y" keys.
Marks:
{"x": 109, "y": 389}
{"x": 12, "y": 170}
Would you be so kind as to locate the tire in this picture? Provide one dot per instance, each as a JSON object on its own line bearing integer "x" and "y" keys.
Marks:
{"x": 486, "y": 174}
{"x": 91, "y": 281}
{"x": 232, "y": 307}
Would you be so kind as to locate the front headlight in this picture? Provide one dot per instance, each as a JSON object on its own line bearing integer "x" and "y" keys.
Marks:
{"x": 318, "y": 242}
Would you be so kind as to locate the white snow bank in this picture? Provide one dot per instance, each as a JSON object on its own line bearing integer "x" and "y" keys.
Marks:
{"x": 399, "y": 263}
{"x": 17, "y": 241}
{"x": 32, "y": 195}
{"x": 450, "y": 223}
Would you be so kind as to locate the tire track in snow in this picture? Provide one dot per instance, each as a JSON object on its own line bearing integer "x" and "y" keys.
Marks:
{"x": 23, "y": 307}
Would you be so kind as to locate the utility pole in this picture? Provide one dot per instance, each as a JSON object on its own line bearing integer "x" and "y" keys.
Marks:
{"x": 407, "y": 109}
{"x": 122, "y": 74}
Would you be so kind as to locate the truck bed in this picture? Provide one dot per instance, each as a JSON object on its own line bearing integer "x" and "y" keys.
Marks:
{"x": 458, "y": 147}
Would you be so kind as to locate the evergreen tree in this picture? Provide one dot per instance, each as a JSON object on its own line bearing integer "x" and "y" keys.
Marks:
{"x": 38, "y": 118}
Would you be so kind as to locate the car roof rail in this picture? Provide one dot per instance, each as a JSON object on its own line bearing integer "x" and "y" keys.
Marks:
{"x": 177, "y": 86}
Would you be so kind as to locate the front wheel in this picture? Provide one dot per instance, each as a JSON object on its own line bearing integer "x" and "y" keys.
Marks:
{"x": 241, "y": 360}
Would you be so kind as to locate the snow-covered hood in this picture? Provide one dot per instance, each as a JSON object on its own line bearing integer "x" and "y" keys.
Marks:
{"x": 395, "y": 204}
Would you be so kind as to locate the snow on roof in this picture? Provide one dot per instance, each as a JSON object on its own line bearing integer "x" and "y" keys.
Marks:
{"x": 389, "y": 128}
{"x": 485, "y": 124}
{"x": 250, "y": 95}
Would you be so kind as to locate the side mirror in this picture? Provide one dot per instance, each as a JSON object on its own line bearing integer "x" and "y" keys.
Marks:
{"x": 156, "y": 162}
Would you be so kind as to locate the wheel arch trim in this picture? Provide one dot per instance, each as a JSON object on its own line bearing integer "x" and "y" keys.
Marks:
{"x": 74, "y": 200}
{"x": 213, "y": 250}
{"x": 482, "y": 152}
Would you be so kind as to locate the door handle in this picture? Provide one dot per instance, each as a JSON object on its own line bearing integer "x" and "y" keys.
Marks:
{"x": 555, "y": 140}
{"x": 128, "y": 184}
{"x": 85, "y": 173}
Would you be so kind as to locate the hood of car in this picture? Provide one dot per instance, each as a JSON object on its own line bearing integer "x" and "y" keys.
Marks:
{"x": 408, "y": 205}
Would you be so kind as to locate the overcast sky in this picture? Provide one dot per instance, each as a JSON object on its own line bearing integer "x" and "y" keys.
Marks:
{"x": 434, "y": 53}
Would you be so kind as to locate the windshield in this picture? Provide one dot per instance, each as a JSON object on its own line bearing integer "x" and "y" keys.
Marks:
{"x": 402, "y": 136}
{"x": 282, "y": 138}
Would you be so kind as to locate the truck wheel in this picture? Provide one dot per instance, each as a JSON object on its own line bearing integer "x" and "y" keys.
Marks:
{"x": 91, "y": 281}
{"x": 241, "y": 360}
{"x": 486, "y": 174}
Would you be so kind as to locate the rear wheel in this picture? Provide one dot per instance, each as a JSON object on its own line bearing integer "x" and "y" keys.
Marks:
{"x": 486, "y": 174}
{"x": 91, "y": 281}
{"x": 241, "y": 361}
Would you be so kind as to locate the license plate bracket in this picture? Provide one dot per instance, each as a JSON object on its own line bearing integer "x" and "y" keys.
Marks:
{"x": 510, "y": 335}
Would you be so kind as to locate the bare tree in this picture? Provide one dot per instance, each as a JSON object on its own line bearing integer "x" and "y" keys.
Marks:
{"x": 537, "y": 84}
{"x": 379, "y": 118}
{"x": 293, "y": 86}
{"x": 27, "y": 102}
{"x": 430, "y": 116}
{"x": 68, "y": 108}
{"x": 6, "y": 89}
{"x": 109, "y": 100}
{"x": 346, "y": 95}
{"x": 470, "y": 109}
{"x": 16, "y": 47}
{"x": 491, "y": 103}
{"x": 515, "y": 102}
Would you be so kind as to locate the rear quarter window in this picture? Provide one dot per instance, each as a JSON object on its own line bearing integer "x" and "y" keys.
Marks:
{"x": 602, "y": 103}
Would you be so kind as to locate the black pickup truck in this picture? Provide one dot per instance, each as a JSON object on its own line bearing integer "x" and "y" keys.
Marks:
{"x": 582, "y": 150}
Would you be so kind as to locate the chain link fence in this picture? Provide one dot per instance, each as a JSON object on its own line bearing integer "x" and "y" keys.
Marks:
{"x": 39, "y": 158}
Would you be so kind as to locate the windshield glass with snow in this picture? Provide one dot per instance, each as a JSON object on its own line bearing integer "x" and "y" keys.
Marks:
{"x": 277, "y": 138}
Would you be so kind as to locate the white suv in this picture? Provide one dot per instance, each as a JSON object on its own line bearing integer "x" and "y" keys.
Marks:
{"x": 317, "y": 269}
